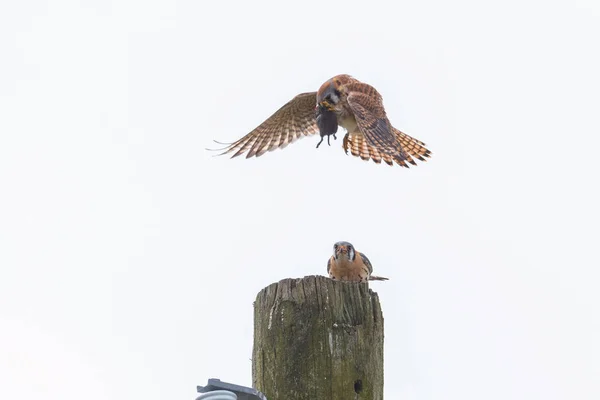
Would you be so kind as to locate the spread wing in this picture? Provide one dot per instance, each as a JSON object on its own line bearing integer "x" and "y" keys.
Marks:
{"x": 411, "y": 147}
{"x": 295, "y": 119}
{"x": 367, "y": 107}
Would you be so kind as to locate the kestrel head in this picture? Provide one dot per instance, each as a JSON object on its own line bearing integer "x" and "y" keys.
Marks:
{"x": 344, "y": 250}
{"x": 331, "y": 92}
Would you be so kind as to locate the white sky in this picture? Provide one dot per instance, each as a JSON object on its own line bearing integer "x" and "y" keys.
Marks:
{"x": 130, "y": 257}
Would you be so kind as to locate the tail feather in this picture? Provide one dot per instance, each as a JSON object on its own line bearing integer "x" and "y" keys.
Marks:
{"x": 411, "y": 148}
{"x": 377, "y": 278}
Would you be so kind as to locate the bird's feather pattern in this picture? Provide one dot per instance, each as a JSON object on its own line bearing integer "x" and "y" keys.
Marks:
{"x": 411, "y": 148}
{"x": 291, "y": 122}
{"x": 366, "y": 262}
{"x": 360, "y": 110}
{"x": 372, "y": 122}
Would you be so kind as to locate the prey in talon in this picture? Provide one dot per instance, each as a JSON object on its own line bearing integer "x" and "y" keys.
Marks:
{"x": 341, "y": 101}
{"x": 327, "y": 123}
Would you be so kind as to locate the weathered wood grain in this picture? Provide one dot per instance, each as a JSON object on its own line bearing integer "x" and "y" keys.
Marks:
{"x": 318, "y": 339}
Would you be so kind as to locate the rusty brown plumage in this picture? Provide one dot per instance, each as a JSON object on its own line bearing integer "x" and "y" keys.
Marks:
{"x": 357, "y": 106}
{"x": 348, "y": 264}
{"x": 412, "y": 148}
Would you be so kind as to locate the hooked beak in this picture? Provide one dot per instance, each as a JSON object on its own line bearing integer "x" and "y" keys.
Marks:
{"x": 341, "y": 250}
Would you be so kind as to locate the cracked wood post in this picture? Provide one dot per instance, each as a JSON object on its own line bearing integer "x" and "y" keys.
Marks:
{"x": 318, "y": 339}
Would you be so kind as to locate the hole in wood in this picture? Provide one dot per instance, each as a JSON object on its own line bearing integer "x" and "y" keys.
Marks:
{"x": 357, "y": 386}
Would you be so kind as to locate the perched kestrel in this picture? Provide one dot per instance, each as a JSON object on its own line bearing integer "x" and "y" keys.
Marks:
{"x": 344, "y": 101}
{"x": 347, "y": 264}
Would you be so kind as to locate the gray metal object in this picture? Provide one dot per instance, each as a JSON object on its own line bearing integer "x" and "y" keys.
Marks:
{"x": 218, "y": 395}
{"x": 242, "y": 392}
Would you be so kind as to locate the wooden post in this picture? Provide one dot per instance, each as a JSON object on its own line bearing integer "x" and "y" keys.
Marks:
{"x": 318, "y": 339}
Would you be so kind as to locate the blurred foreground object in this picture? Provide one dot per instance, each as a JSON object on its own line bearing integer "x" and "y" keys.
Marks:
{"x": 217, "y": 390}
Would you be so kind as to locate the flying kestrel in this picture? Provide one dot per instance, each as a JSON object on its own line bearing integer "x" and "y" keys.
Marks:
{"x": 344, "y": 101}
{"x": 347, "y": 264}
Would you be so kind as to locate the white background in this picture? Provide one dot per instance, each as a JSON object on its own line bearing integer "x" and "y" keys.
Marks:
{"x": 130, "y": 257}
